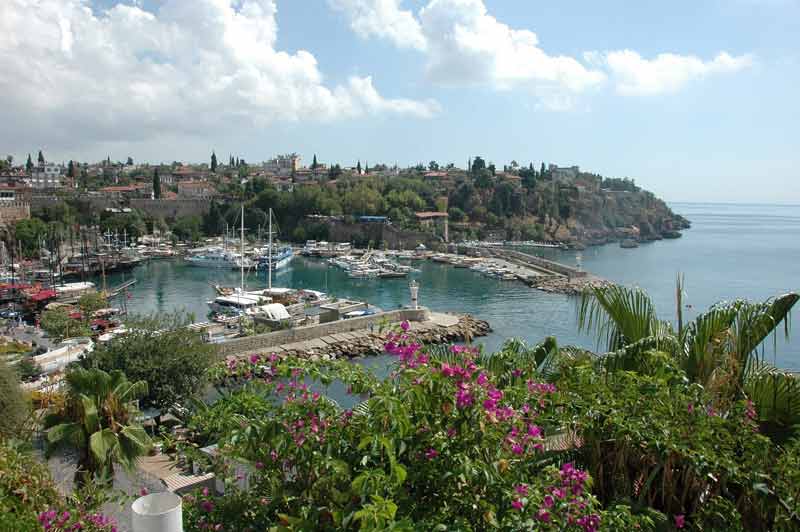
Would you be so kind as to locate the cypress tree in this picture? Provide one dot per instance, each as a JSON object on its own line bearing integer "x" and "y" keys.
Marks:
{"x": 213, "y": 162}
{"x": 358, "y": 167}
{"x": 156, "y": 184}
{"x": 71, "y": 170}
{"x": 541, "y": 173}
{"x": 314, "y": 163}
{"x": 366, "y": 168}
{"x": 29, "y": 164}
{"x": 41, "y": 157}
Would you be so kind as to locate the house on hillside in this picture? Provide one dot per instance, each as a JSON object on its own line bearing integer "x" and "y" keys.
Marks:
{"x": 438, "y": 221}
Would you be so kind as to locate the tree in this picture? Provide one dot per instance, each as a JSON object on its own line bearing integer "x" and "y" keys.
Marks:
{"x": 156, "y": 184}
{"x": 71, "y": 170}
{"x": 41, "y": 158}
{"x": 213, "y": 162}
{"x": 29, "y": 233}
{"x": 172, "y": 359}
{"x": 89, "y": 303}
{"x": 58, "y": 325}
{"x": 129, "y": 162}
{"x": 28, "y": 370}
{"x": 542, "y": 171}
{"x": 99, "y": 420}
{"x": 433, "y": 166}
{"x": 13, "y": 404}
{"x": 188, "y": 228}
{"x": 478, "y": 165}
{"x": 29, "y": 164}
{"x": 358, "y": 168}
{"x": 314, "y": 162}
{"x": 492, "y": 169}
{"x": 719, "y": 349}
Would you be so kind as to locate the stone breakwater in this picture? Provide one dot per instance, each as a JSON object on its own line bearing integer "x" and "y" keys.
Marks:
{"x": 440, "y": 329}
{"x": 571, "y": 286}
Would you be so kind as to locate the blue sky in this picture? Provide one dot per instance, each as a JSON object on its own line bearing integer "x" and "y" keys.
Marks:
{"x": 333, "y": 77}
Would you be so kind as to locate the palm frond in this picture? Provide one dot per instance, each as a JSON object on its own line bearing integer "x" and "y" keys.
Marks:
{"x": 776, "y": 395}
{"x": 620, "y": 316}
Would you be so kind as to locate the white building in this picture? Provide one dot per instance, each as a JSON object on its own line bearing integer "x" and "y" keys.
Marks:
{"x": 283, "y": 165}
{"x": 49, "y": 175}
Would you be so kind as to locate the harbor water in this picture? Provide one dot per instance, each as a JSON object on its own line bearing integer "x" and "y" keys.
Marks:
{"x": 749, "y": 251}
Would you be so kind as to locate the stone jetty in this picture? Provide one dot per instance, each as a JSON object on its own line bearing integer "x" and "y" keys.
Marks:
{"x": 360, "y": 336}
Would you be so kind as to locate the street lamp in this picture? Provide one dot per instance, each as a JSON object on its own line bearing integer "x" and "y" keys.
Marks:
{"x": 413, "y": 286}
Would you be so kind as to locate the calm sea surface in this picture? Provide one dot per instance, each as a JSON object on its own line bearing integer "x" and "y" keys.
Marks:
{"x": 750, "y": 251}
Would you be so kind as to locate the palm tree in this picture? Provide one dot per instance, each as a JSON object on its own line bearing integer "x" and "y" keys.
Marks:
{"x": 99, "y": 420}
{"x": 721, "y": 349}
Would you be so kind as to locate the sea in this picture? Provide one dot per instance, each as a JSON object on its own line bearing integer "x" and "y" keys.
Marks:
{"x": 731, "y": 251}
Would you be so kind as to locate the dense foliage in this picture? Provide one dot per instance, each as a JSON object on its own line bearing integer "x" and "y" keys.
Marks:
{"x": 14, "y": 405}
{"x": 30, "y": 502}
{"x": 172, "y": 359}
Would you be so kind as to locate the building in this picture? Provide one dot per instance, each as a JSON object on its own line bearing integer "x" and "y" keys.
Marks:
{"x": 48, "y": 175}
{"x": 182, "y": 173}
{"x": 15, "y": 203}
{"x": 563, "y": 174}
{"x": 137, "y": 190}
{"x": 283, "y": 165}
{"x": 435, "y": 219}
{"x": 196, "y": 189}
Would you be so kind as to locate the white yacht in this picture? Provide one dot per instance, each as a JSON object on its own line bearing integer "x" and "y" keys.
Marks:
{"x": 219, "y": 258}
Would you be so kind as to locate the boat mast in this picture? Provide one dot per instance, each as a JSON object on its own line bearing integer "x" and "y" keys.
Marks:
{"x": 269, "y": 272}
{"x": 241, "y": 259}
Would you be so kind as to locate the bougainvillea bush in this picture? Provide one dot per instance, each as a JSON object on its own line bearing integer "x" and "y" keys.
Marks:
{"x": 458, "y": 440}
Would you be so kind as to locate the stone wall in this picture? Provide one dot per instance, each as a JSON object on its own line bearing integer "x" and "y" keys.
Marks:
{"x": 240, "y": 346}
{"x": 381, "y": 235}
{"x": 13, "y": 211}
{"x": 163, "y": 208}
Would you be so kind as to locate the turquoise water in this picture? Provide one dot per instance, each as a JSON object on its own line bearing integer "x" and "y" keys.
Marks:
{"x": 750, "y": 251}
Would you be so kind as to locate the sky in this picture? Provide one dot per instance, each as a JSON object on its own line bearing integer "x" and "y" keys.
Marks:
{"x": 696, "y": 100}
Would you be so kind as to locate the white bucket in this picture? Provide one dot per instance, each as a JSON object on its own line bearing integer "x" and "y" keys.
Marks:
{"x": 157, "y": 512}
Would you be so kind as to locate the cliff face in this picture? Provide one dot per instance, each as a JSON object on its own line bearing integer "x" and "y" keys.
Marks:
{"x": 587, "y": 213}
{"x": 603, "y": 216}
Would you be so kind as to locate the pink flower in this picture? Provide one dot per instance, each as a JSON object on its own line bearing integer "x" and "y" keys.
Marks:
{"x": 543, "y": 515}
{"x": 405, "y": 325}
{"x": 517, "y": 504}
{"x": 259, "y": 465}
{"x": 690, "y": 408}
{"x": 430, "y": 454}
{"x": 517, "y": 449}
{"x": 522, "y": 489}
{"x": 205, "y": 492}
{"x": 143, "y": 492}
{"x": 254, "y": 359}
{"x": 548, "y": 501}
{"x": 680, "y": 521}
{"x": 207, "y": 506}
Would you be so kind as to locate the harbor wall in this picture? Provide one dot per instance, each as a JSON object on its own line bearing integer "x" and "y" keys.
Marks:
{"x": 541, "y": 263}
{"x": 240, "y": 346}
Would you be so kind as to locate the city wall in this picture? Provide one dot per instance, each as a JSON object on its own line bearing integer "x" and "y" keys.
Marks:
{"x": 381, "y": 235}
{"x": 157, "y": 208}
{"x": 240, "y": 346}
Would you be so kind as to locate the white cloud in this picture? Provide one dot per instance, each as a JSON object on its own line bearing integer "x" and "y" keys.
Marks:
{"x": 666, "y": 72}
{"x": 384, "y": 19}
{"x": 194, "y": 67}
{"x": 465, "y": 45}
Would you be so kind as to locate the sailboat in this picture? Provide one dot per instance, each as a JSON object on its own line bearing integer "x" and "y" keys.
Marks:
{"x": 273, "y": 258}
